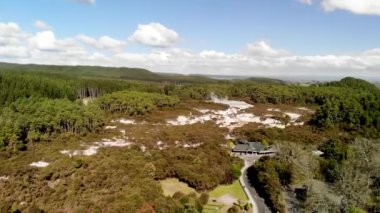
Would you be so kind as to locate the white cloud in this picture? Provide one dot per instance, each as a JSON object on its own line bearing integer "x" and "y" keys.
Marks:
{"x": 11, "y": 41}
{"x": 213, "y": 62}
{"x": 263, "y": 49}
{"x": 103, "y": 43}
{"x": 6, "y": 41}
{"x": 362, "y": 7}
{"x": 44, "y": 40}
{"x": 257, "y": 58}
{"x": 13, "y": 52}
{"x": 307, "y": 2}
{"x": 11, "y": 30}
{"x": 42, "y": 25}
{"x": 155, "y": 34}
{"x": 365, "y": 7}
{"x": 7, "y": 29}
{"x": 90, "y": 2}
{"x": 212, "y": 54}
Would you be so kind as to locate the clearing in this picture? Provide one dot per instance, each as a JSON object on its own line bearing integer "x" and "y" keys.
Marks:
{"x": 235, "y": 190}
{"x": 173, "y": 185}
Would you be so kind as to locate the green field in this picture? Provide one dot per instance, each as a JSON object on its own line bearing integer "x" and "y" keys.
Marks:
{"x": 235, "y": 190}
{"x": 213, "y": 208}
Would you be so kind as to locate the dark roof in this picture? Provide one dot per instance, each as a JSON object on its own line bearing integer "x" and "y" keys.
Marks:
{"x": 256, "y": 146}
{"x": 241, "y": 148}
{"x": 245, "y": 146}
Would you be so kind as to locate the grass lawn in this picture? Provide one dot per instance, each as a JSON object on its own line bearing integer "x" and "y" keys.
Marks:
{"x": 234, "y": 190}
{"x": 213, "y": 208}
{"x": 172, "y": 185}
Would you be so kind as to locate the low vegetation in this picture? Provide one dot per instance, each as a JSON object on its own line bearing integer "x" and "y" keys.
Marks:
{"x": 201, "y": 168}
{"x": 83, "y": 184}
{"x": 135, "y": 103}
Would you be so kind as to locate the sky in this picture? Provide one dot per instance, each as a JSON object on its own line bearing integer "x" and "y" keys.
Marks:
{"x": 271, "y": 38}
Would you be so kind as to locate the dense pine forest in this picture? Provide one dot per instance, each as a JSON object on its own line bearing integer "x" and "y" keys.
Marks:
{"x": 43, "y": 106}
{"x": 103, "y": 72}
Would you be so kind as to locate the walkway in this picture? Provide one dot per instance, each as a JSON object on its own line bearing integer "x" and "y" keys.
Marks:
{"x": 258, "y": 203}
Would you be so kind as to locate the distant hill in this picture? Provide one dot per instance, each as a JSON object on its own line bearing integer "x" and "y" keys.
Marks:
{"x": 128, "y": 74}
{"x": 265, "y": 80}
{"x": 355, "y": 83}
{"x": 105, "y": 72}
{"x": 191, "y": 78}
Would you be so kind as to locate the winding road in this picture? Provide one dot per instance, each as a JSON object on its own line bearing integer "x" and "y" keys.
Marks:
{"x": 258, "y": 203}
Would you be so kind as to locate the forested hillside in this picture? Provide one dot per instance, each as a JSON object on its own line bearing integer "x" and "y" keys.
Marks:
{"x": 43, "y": 114}
{"x": 24, "y": 84}
{"x": 105, "y": 72}
{"x": 356, "y": 110}
{"x": 351, "y": 104}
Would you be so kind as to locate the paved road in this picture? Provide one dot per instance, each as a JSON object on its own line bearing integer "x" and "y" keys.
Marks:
{"x": 246, "y": 187}
{"x": 259, "y": 205}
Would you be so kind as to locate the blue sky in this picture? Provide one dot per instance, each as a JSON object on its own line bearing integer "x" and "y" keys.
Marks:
{"x": 299, "y": 32}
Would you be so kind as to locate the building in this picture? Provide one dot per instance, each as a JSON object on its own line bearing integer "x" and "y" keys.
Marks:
{"x": 245, "y": 148}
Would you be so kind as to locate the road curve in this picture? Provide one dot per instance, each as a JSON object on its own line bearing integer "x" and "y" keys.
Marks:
{"x": 258, "y": 203}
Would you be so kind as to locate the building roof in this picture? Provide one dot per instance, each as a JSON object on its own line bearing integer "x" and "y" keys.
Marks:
{"x": 241, "y": 148}
{"x": 257, "y": 146}
{"x": 245, "y": 146}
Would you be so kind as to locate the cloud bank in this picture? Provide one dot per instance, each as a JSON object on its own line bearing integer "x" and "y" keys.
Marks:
{"x": 362, "y": 7}
{"x": 256, "y": 58}
{"x": 103, "y": 43}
